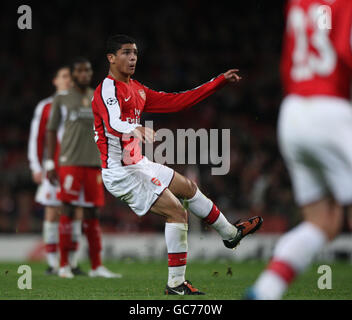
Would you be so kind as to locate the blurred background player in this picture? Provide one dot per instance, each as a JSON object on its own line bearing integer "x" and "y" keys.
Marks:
{"x": 46, "y": 192}
{"x": 315, "y": 134}
{"x": 145, "y": 185}
{"x": 81, "y": 188}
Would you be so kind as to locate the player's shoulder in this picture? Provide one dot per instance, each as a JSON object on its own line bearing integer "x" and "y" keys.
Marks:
{"x": 42, "y": 104}
{"x": 107, "y": 81}
{"x": 58, "y": 97}
{"x": 137, "y": 83}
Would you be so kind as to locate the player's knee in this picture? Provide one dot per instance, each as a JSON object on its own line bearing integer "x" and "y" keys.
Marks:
{"x": 91, "y": 213}
{"x": 191, "y": 188}
{"x": 178, "y": 214}
{"x": 51, "y": 214}
{"x": 67, "y": 210}
{"x": 332, "y": 230}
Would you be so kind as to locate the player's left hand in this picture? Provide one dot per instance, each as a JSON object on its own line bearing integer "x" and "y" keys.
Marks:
{"x": 232, "y": 76}
{"x": 37, "y": 177}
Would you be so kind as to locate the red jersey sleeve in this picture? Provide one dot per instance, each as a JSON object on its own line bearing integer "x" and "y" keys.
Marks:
{"x": 162, "y": 102}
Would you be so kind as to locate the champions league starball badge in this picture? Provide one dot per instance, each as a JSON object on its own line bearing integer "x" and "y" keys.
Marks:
{"x": 111, "y": 101}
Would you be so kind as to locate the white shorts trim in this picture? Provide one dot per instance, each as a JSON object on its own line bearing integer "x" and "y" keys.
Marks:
{"x": 315, "y": 139}
{"x": 139, "y": 185}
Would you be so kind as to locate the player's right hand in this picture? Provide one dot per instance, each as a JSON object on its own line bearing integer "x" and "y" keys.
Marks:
{"x": 52, "y": 177}
{"x": 145, "y": 134}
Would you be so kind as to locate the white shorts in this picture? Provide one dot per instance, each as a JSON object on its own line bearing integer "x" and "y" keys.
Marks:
{"x": 46, "y": 194}
{"x": 139, "y": 185}
{"x": 315, "y": 139}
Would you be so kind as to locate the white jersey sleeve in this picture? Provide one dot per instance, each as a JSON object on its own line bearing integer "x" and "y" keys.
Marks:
{"x": 36, "y": 141}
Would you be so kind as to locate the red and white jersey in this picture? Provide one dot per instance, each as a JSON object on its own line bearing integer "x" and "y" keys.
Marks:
{"x": 317, "y": 48}
{"x": 117, "y": 108}
{"x": 37, "y": 135}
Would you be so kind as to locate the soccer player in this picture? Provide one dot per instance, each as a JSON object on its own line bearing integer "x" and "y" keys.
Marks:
{"x": 46, "y": 193}
{"x": 315, "y": 134}
{"x": 81, "y": 188}
{"x": 144, "y": 185}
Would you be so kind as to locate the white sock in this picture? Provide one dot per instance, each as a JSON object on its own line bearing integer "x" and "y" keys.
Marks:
{"x": 299, "y": 246}
{"x": 72, "y": 259}
{"x": 76, "y": 230}
{"x": 76, "y": 236}
{"x": 201, "y": 206}
{"x": 51, "y": 236}
{"x": 297, "y": 249}
{"x": 269, "y": 286}
{"x": 52, "y": 259}
{"x": 176, "y": 243}
{"x": 225, "y": 229}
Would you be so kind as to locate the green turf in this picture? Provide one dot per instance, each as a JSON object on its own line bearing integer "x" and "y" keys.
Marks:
{"x": 146, "y": 280}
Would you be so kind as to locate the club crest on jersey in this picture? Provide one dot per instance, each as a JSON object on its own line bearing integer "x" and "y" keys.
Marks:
{"x": 142, "y": 93}
{"x": 111, "y": 101}
{"x": 156, "y": 181}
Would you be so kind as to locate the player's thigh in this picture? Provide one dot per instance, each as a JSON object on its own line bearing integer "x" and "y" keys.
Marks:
{"x": 168, "y": 206}
{"x": 182, "y": 187}
{"x": 52, "y": 213}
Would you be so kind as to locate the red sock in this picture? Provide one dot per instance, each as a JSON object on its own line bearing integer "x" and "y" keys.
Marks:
{"x": 213, "y": 215}
{"x": 283, "y": 270}
{"x": 91, "y": 228}
{"x": 50, "y": 247}
{"x": 65, "y": 239}
{"x": 177, "y": 259}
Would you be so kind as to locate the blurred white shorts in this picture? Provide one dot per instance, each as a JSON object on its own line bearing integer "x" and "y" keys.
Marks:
{"x": 47, "y": 194}
{"x": 315, "y": 139}
{"x": 139, "y": 185}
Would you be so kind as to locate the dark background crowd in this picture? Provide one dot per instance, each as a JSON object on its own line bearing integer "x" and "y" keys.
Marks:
{"x": 181, "y": 45}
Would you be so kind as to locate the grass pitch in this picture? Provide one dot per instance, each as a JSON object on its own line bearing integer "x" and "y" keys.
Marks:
{"x": 146, "y": 281}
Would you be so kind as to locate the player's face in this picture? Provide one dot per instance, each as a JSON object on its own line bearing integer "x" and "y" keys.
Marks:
{"x": 82, "y": 74}
{"x": 125, "y": 59}
{"x": 62, "y": 81}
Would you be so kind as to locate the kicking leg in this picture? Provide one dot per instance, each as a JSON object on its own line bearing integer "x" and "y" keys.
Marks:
{"x": 205, "y": 209}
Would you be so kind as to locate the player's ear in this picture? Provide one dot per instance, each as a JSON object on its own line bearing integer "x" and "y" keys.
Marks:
{"x": 111, "y": 57}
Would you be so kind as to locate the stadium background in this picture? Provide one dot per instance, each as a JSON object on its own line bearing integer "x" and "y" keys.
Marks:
{"x": 180, "y": 46}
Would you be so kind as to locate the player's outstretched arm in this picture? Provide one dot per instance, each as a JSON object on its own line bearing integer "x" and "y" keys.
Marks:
{"x": 158, "y": 101}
